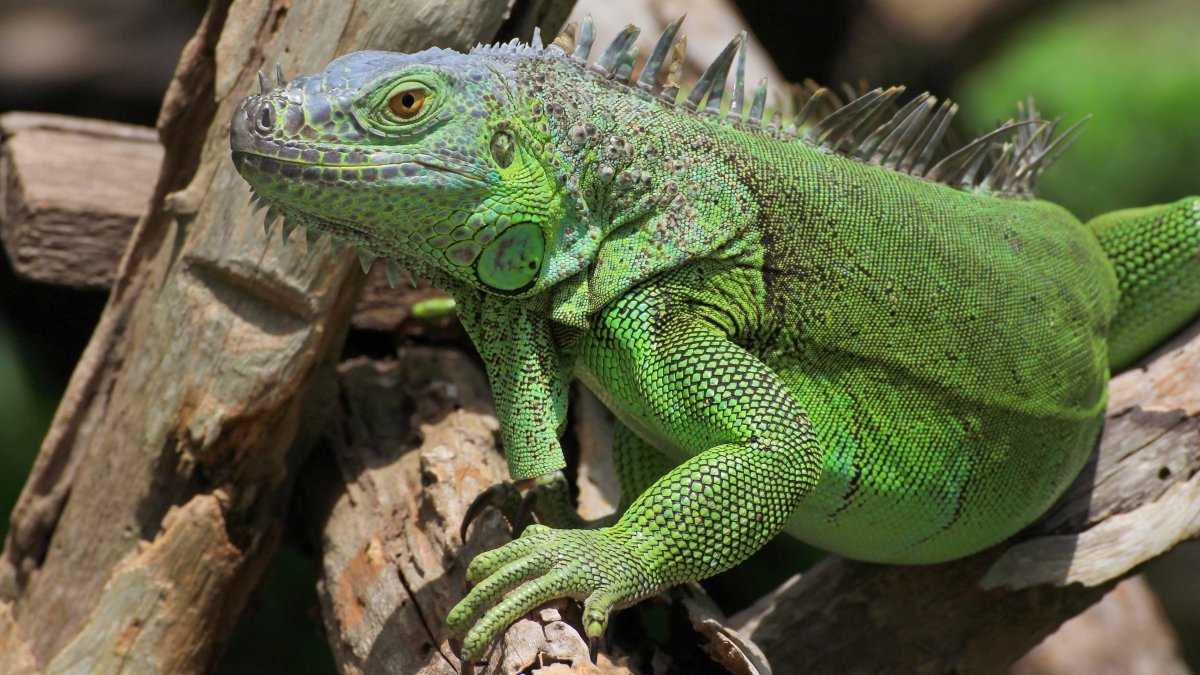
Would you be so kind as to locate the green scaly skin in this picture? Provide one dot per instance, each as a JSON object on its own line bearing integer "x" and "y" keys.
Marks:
{"x": 887, "y": 367}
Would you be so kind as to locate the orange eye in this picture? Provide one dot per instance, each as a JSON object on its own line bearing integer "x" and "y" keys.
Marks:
{"x": 408, "y": 103}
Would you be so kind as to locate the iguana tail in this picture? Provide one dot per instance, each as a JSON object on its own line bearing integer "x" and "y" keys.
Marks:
{"x": 1155, "y": 252}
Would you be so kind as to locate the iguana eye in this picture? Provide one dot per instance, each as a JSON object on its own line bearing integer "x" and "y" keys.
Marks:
{"x": 406, "y": 104}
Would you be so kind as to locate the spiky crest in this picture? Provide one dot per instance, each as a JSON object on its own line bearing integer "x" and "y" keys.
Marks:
{"x": 866, "y": 126}
{"x": 869, "y": 127}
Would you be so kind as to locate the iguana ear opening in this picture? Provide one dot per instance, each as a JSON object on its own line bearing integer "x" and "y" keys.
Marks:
{"x": 512, "y": 262}
{"x": 503, "y": 147}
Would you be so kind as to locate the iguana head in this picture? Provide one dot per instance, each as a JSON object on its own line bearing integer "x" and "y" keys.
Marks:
{"x": 431, "y": 159}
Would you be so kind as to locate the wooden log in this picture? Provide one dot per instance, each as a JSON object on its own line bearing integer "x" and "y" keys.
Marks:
{"x": 71, "y": 190}
{"x": 156, "y": 500}
{"x": 414, "y": 441}
{"x": 1126, "y": 632}
{"x": 409, "y": 435}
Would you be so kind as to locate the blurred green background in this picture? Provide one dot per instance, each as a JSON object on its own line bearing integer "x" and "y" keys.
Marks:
{"x": 1133, "y": 64}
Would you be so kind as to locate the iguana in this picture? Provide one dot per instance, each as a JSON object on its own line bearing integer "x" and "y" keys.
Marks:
{"x": 835, "y": 328}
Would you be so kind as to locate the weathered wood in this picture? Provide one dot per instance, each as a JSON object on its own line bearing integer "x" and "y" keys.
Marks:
{"x": 414, "y": 441}
{"x": 1126, "y": 632}
{"x": 409, "y": 434}
{"x": 71, "y": 190}
{"x": 157, "y": 498}
{"x": 981, "y": 613}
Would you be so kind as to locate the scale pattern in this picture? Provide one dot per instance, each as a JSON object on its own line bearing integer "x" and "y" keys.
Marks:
{"x": 1156, "y": 254}
{"x": 831, "y": 328}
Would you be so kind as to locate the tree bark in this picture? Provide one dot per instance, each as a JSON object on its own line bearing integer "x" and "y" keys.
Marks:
{"x": 414, "y": 442}
{"x": 157, "y": 498}
{"x": 58, "y": 223}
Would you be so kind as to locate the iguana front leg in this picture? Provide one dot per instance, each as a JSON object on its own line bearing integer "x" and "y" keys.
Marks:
{"x": 753, "y": 458}
{"x": 529, "y": 381}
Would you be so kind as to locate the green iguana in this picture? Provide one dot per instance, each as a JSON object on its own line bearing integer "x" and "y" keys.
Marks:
{"x": 835, "y": 328}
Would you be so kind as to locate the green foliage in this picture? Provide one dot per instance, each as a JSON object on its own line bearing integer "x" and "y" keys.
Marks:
{"x": 24, "y": 417}
{"x": 1135, "y": 66}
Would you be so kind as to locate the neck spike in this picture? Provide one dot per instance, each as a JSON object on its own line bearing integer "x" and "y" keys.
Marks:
{"x": 587, "y": 35}
{"x": 615, "y": 51}
{"x": 809, "y": 106}
{"x": 922, "y": 150}
{"x": 739, "y": 88}
{"x": 648, "y": 80}
{"x": 625, "y": 67}
{"x": 712, "y": 81}
{"x": 759, "y": 104}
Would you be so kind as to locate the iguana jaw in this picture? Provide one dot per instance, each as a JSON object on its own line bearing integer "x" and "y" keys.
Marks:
{"x": 395, "y": 165}
{"x": 295, "y": 190}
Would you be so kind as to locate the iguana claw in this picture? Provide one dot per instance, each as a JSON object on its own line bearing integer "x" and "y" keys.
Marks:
{"x": 505, "y": 498}
{"x": 547, "y": 501}
{"x": 593, "y": 648}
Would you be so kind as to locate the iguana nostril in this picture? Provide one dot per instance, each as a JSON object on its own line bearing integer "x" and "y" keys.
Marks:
{"x": 266, "y": 118}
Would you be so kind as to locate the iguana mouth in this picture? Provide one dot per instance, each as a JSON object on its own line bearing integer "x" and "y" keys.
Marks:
{"x": 404, "y": 166}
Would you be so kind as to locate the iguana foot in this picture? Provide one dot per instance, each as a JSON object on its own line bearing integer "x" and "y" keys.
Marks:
{"x": 600, "y": 567}
{"x": 548, "y": 500}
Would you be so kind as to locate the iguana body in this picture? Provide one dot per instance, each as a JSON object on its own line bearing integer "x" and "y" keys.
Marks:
{"x": 805, "y": 334}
